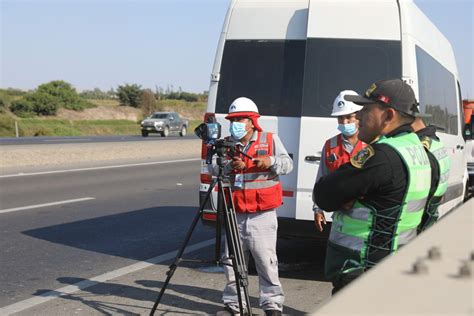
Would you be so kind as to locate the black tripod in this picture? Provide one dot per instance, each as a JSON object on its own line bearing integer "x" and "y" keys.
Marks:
{"x": 225, "y": 210}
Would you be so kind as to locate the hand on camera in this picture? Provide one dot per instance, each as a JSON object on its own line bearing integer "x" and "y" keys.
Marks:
{"x": 237, "y": 163}
{"x": 263, "y": 162}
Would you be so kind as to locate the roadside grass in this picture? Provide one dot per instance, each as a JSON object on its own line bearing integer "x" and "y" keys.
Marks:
{"x": 104, "y": 102}
{"x": 59, "y": 127}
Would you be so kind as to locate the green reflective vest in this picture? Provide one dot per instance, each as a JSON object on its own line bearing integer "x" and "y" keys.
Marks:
{"x": 444, "y": 163}
{"x": 353, "y": 231}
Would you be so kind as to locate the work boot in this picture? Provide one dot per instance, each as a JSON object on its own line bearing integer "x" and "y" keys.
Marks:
{"x": 272, "y": 312}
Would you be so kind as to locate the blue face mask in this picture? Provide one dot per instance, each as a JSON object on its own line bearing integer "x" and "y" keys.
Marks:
{"x": 237, "y": 130}
{"x": 347, "y": 129}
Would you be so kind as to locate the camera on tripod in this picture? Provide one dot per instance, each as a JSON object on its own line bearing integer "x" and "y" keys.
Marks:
{"x": 210, "y": 133}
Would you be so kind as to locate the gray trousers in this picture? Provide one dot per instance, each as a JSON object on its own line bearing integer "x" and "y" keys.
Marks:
{"x": 258, "y": 233}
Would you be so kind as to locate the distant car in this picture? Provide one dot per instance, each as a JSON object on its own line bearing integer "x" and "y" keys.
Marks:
{"x": 164, "y": 123}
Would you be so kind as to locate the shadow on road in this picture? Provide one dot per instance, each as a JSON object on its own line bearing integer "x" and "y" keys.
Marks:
{"x": 138, "y": 235}
{"x": 192, "y": 298}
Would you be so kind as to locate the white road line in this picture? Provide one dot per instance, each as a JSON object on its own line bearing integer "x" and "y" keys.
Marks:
{"x": 42, "y": 298}
{"x": 69, "y": 140}
{"x": 97, "y": 168}
{"x": 15, "y": 209}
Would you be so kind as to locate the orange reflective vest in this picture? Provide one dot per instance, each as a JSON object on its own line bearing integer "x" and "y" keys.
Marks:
{"x": 261, "y": 189}
{"x": 335, "y": 153}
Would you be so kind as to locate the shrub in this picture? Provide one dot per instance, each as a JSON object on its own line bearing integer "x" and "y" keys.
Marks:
{"x": 43, "y": 103}
{"x": 147, "y": 102}
{"x": 4, "y": 102}
{"x": 129, "y": 95}
{"x": 65, "y": 95}
{"x": 22, "y": 108}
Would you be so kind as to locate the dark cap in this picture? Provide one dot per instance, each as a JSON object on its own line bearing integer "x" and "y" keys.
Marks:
{"x": 394, "y": 93}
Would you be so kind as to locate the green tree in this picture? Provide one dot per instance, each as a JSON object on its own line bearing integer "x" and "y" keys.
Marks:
{"x": 129, "y": 95}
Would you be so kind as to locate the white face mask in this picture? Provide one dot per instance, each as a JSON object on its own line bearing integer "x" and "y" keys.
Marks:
{"x": 237, "y": 130}
{"x": 347, "y": 129}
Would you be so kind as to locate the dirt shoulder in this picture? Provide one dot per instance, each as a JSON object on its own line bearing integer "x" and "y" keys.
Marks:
{"x": 93, "y": 153}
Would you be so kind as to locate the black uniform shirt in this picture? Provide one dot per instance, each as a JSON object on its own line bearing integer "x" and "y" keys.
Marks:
{"x": 381, "y": 182}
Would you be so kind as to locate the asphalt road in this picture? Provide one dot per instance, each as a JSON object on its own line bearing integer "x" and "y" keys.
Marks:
{"x": 85, "y": 139}
{"x": 137, "y": 213}
{"x": 109, "y": 219}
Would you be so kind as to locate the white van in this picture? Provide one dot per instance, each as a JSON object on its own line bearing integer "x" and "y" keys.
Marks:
{"x": 292, "y": 57}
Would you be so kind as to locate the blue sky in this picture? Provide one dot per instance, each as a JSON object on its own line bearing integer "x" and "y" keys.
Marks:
{"x": 105, "y": 43}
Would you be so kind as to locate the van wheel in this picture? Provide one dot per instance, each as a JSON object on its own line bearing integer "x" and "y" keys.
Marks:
{"x": 144, "y": 133}
{"x": 165, "y": 132}
{"x": 183, "y": 131}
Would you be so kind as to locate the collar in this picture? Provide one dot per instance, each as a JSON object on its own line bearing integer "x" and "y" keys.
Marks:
{"x": 429, "y": 131}
{"x": 406, "y": 128}
{"x": 252, "y": 139}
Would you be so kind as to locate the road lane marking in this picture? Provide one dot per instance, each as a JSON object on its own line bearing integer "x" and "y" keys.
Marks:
{"x": 29, "y": 207}
{"x": 70, "y": 289}
{"x": 69, "y": 140}
{"x": 97, "y": 168}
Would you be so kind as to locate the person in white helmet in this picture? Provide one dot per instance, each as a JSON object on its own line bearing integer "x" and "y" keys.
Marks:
{"x": 257, "y": 192}
{"x": 339, "y": 149}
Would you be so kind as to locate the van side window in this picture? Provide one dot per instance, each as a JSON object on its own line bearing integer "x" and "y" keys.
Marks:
{"x": 333, "y": 65}
{"x": 437, "y": 93}
{"x": 270, "y": 72}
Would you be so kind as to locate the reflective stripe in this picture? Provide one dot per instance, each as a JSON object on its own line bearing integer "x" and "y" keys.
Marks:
{"x": 259, "y": 176}
{"x": 440, "y": 153}
{"x": 348, "y": 241}
{"x": 406, "y": 236}
{"x": 261, "y": 184}
{"x": 361, "y": 213}
{"x": 333, "y": 142}
{"x": 444, "y": 177}
{"x": 416, "y": 205}
{"x": 263, "y": 138}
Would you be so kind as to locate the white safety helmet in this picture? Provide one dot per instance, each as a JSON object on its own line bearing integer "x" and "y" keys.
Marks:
{"x": 243, "y": 104}
{"x": 244, "y": 107}
{"x": 344, "y": 107}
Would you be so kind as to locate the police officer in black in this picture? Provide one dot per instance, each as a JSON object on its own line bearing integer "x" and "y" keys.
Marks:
{"x": 377, "y": 198}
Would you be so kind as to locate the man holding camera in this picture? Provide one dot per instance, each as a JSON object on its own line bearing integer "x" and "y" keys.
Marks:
{"x": 256, "y": 192}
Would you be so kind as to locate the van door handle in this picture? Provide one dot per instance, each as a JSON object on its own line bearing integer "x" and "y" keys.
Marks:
{"x": 460, "y": 147}
{"x": 312, "y": 158}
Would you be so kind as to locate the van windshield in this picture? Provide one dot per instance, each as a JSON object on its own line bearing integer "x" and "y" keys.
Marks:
{"x": 268, "y": 72}
{"x": 302, "y": 77}
{"x": 333, "y": 65}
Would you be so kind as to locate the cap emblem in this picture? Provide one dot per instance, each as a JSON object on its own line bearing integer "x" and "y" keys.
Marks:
{"x": 340, "y": 104}
{"x": 232, "y": 107}
{"x": 383, "y": 98}
{"x": 370, "y": 90}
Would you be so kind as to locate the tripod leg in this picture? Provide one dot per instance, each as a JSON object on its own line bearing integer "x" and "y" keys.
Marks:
{"x": 179, "y": 256}
{"x": 234, "y": 246}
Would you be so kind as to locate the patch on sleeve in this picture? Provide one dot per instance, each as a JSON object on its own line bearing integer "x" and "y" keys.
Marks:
{"x": 426, "y": 141}
{"x": 359, "y": 159}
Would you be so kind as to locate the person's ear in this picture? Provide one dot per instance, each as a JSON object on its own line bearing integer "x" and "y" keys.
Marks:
{"x": 390, "y": 115}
